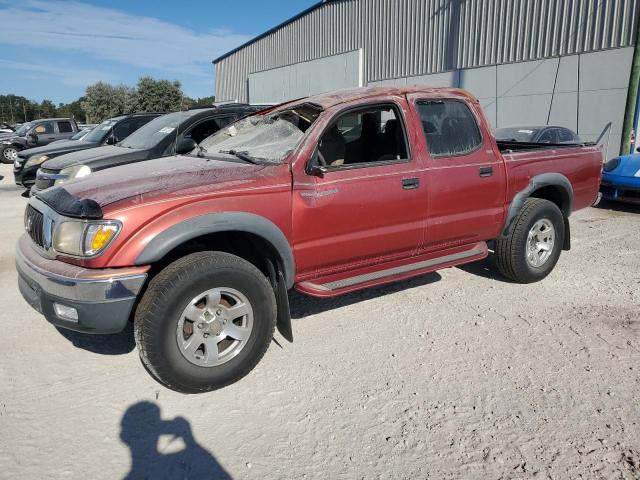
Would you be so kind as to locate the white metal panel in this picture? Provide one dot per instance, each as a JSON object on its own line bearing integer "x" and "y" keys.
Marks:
{"x": 306, "y": 78}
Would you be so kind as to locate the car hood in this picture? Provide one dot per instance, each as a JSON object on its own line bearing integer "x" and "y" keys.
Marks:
{"x": 57, "y": 148}
{"x": 7, "y": 136}
{"x": 629, "y": 166}
{"x": 97, "y": 158}
{"x": 173, "y": 177}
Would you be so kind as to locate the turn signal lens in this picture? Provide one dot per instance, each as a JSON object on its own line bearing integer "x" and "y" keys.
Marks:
{"x": 98, "y": 237}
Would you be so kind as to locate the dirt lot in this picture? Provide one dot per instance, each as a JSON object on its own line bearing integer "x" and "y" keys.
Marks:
{"x": 458, "y": 374}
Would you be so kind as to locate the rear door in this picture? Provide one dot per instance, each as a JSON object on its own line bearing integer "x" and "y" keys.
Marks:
{"x": 465, "y": 178}
{"x": 368, "y": 205}
{"x": 64, "y": 130}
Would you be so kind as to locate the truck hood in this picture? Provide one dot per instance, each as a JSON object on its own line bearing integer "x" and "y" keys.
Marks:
{"x": 96, "y": 158}
{"x": 57, "y": 148}
{"x": 172, "y": 177}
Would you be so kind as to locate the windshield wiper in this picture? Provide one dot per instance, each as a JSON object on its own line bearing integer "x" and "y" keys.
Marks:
{"x": 242, "y": 156}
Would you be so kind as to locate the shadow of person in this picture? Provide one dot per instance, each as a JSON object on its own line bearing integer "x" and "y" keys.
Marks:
{"x": 179, "y": 456}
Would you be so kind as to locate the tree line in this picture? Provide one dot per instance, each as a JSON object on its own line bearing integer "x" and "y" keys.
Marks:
{"x": 103, "y": 100}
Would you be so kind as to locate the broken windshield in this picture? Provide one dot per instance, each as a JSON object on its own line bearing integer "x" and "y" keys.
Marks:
{"x": 262, "y": 138}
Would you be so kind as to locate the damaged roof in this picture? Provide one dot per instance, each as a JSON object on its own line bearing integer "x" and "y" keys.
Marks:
{"x": 330, "y": 99}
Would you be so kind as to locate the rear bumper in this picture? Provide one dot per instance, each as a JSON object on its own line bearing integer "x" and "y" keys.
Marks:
{"x": 102, "y": 298}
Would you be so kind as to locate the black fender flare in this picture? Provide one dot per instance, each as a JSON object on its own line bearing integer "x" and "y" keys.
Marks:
{"x": 537, "y": 182}
{"x": 195, "y": 227}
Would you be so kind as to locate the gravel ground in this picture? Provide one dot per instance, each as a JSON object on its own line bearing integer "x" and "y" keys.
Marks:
{"x": 458, "y": 374}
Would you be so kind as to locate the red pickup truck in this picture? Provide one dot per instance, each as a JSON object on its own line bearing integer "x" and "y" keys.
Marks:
{"x": 327, "y": 194}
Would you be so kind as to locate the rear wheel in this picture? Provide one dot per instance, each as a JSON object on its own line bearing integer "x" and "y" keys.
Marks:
{"x": 531, "y": 250}
{"x": 205, "y": 321}
{"x": 8, "y": 154}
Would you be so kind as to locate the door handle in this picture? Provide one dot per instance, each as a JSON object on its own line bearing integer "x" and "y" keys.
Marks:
{"x": 486, "y": 171}
{"x": 410, "y": 183}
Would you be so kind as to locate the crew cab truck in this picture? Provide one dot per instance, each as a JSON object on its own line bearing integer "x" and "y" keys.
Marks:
{"x": 328, "y": 194}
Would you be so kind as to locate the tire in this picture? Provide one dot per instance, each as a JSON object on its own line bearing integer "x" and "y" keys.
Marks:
{"x": 513, "y": 257}
{"x": 163, "y": 332}
{"x": 8, "y": 154}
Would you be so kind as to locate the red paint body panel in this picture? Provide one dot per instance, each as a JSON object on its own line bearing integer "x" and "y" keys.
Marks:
{"x": 347, "y": 222}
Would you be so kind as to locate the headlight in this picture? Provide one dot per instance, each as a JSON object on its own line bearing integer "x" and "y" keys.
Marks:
{"x": 612, "y": 164}
{"x": 84, "y": 239}
{"x": 36, "y": 160}
{"x": 77, "y": 171}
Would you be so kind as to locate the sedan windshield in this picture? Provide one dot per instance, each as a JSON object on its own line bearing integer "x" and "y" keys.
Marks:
{"x": 262, "y": 138}
{"x": 100, "y": 132}
{"x": 522, "y": 134}
{"x": 154, "y": 132}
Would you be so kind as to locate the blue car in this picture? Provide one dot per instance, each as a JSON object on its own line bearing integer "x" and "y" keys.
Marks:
{"x": 621, "y": 179}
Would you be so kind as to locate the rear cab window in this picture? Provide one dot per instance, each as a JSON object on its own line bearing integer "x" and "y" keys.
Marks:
{"x": 64, "y": 127}
{"x": 450, "y": 128}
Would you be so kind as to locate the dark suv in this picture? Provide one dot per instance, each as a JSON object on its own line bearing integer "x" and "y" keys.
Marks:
{"x": 35, "y": 134}
{"x": 173, "y": 133}
{"x": 109, "y": 132}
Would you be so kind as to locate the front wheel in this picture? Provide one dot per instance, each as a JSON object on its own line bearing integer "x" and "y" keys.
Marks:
{"x": 8, "y": 154}
{"x": 205, "y": 321}
{"x": 531, "y": 250}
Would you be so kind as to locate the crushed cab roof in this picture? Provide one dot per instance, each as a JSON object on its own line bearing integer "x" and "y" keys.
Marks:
{"x": 330, "y": 99}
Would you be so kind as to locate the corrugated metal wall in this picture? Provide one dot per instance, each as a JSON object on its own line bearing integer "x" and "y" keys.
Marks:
{"x": 404, "y": 38}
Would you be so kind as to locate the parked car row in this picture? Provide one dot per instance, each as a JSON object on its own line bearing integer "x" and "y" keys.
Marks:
{"x": 328, "y": 195}
{"x": 120, "y": 140}
{"x": 35, "y": 134}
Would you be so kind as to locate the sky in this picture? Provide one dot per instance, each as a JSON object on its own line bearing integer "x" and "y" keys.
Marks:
{"x": 52, "y": 49}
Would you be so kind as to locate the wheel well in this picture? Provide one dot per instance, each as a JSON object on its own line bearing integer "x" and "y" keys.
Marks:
{"x": 252, "y": 248}
{"x": 555, "y": 194}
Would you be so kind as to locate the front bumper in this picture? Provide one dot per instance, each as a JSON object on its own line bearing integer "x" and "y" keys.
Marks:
{"x": 620, "y": 189}
{"x": 24, "y": 176}
{"x": 102, "y": 298}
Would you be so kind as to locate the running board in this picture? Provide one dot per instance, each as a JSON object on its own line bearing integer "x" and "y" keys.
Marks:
{"x": 339, "y": 284}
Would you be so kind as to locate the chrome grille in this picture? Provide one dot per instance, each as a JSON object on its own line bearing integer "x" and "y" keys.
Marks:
{"x": 34, "y": 225}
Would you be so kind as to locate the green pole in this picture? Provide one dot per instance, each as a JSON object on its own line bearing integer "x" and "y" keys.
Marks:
{"x": 632, "y": 95}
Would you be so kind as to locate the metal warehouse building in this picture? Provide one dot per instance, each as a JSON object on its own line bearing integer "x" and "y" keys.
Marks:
{"x": 565, "y": 62}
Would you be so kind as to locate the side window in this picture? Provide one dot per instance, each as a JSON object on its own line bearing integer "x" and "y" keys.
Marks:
{"x": 449, "y": 127}
{"x": 65, "y": 127}
{"x": 549, "y": 135}
{"x": 44, "y": 128}
{"x": 207, "y": 128}
{"x": 123, "y": 129}
{"x": 373, "y": 134}
{"x": 566, "y": 135}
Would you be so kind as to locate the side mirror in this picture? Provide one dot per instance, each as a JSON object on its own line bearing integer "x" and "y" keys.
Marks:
{"x": 32, "y": 138}
{"x": 112, "y": 140}
{"x": 185, "y": 145}
{"x": 318, "y": 170}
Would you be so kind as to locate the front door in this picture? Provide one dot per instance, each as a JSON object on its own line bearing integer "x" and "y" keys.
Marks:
{"x": 365, "y": 202}
{"x": 465, "y": 178}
